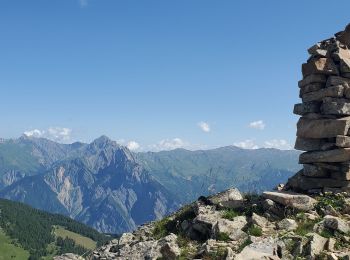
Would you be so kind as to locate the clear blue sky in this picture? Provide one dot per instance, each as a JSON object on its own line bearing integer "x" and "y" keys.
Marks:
{"x": 151, "y": 71}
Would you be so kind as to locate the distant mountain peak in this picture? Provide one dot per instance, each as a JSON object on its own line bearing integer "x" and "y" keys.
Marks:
{"x": 103, "y": 140}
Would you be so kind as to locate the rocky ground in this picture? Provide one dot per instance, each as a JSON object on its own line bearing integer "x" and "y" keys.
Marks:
{"x": 229, "y": 225}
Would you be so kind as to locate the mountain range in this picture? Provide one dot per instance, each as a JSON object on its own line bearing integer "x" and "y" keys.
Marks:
{"x": 113, "y": 190}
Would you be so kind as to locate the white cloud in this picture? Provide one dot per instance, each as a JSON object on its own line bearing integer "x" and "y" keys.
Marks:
{"x": 169, "y": 144}
{"x": 247, "y": 144}
{"x": 34, "y": 133}
{"x": 278, "y": 144}
{"x": 204, "y": 126}
{"x": 257, "y": 125}
{"x": 83, "y": 3}
{"x": 58, "y": 134}
{"x": 133, "y": 146}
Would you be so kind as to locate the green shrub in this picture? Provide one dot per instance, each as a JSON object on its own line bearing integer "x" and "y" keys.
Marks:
{"x": 305, "y": 227}
{"x": 230, "y": 214}
{"x": 255, "y": 231}
{"x": 160, "y": 229}
{"x": 223, "y": 237}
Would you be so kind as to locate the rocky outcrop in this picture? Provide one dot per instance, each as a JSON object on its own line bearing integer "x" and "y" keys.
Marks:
{"x": 262, "y": 227}
{"x": 323, "y": 129}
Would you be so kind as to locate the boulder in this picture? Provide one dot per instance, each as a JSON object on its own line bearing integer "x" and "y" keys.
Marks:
{"x": 336, "y": 223}
{"x": 291, "y": 199}
{"x": 287, "y": 224}
{"x": 231, "y": 198}
{"x": 259, "y": 220}
{"x": 233, "y": 228}
{"x": 322, "y": 128}
{"x": 320, "y": 66}
{"x": 169, "y": 247}
{"x": 315, "y": 245}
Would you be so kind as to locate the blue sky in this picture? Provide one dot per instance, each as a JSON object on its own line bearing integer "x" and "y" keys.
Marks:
{"x": 158, "y": 74}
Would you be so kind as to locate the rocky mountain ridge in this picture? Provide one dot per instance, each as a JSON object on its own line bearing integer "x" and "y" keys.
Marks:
{"x": 229, "y": 225}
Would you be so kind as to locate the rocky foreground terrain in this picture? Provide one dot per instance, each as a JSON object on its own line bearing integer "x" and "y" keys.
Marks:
{"x": 230, "y": 225}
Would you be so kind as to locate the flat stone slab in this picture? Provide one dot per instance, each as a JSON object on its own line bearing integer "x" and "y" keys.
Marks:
{"x": 311, "y": 88}
{"x": 304, "y": 183}
{"x": 291, "y": 199}
{"x": 322, "y": 128}
{"x": 335, "y": 91}
{"x": 310, "y": 144}
{"x": 313, "y": 78}
{"x": 305, "y": 108}
{"x": 335, "y": 107}
{"x": 337, "y": 80}
{"x": 336, "y": 155}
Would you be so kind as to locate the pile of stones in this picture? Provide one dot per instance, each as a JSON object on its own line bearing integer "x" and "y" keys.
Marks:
{"x": 323, "y": 131}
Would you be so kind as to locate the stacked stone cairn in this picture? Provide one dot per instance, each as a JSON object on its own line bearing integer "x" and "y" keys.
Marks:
{"x": 323, "y": 130}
